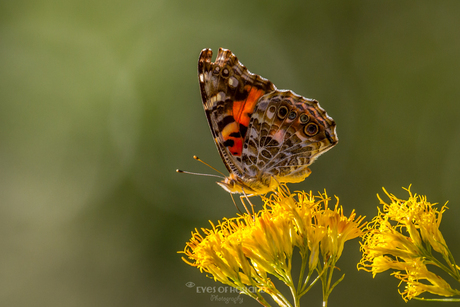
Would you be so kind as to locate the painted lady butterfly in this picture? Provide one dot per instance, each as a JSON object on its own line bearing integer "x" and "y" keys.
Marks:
{"x": 265, "y": 136}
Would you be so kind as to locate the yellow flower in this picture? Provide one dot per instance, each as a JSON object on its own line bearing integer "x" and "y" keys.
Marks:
{"x": 246, "y": 250}
{"x": 339, "y": 229}
{"x": 417, "y": 271}
{"x": 401, "y": 237}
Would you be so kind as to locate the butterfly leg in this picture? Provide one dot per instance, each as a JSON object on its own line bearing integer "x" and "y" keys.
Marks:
{"x": 281, "y": 187}
{"x": 242, "y": 197}
{"x": 231, "y": 195}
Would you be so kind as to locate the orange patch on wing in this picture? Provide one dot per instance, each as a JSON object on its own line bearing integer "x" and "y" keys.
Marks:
{"x": 237, "y": 147}
{"x": 243, "y": 109}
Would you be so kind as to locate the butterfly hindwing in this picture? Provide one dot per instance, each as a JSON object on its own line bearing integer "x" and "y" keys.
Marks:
{"x": 287, "y": 133}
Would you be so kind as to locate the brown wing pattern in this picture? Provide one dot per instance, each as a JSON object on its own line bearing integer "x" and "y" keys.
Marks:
{"x": 287, "y": 133}
{"x": 230, "y": 94}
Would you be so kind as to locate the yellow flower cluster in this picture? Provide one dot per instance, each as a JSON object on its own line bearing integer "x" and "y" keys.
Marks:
{"x": 247, "y": 251}
{"x": 402, "y": 237}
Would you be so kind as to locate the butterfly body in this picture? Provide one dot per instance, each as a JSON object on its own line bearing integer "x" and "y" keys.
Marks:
{"x": 265, "y": 136}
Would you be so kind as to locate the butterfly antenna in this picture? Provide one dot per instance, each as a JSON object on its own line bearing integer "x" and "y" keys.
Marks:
{"x": 199, "y": 174}
{"x": 198, "y": 159}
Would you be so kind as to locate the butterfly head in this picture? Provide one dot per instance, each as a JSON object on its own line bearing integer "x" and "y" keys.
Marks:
{"x": 232, "y": 184}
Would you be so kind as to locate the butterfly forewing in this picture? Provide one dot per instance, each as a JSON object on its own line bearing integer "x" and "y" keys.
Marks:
{"x": 230, "y": 94}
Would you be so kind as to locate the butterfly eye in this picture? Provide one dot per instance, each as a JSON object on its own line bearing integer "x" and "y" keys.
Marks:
{"x": 304, "y": 118}
{"x": 282, "y": 112}
{"x": 311, "y": 129}
{"x": 292, "y": 115}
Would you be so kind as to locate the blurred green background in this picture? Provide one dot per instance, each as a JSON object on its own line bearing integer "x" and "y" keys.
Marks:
{"x": 100, "y": 103}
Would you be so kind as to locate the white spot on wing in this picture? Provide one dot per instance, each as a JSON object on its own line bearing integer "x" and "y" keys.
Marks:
{"x": 270, "y": 114}
{"x": 233, "y": 82}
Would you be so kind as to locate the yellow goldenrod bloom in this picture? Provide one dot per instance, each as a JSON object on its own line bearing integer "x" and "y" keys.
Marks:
{"x": 401, "y": 238}
{"x": 415, "y": 273}
{"x": 339, "y": 229}
{"x": 249, "y": 250}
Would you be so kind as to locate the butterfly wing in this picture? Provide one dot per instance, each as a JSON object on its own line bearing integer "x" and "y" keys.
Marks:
{"x": 230, "y": 94}
{"x": 286, "y": 134}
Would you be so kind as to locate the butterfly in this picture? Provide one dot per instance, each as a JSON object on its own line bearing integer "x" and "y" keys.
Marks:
{"x": 265, "y": 136}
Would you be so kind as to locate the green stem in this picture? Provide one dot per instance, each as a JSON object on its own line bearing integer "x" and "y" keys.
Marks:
{"x": 447, "y": 269}
{"x": 302, "y": 272}
{"x": 437, "y": 299}
{"x": 327, "y": 280}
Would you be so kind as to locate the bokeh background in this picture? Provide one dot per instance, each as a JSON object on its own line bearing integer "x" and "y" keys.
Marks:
{"x": 100, "y": 103}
